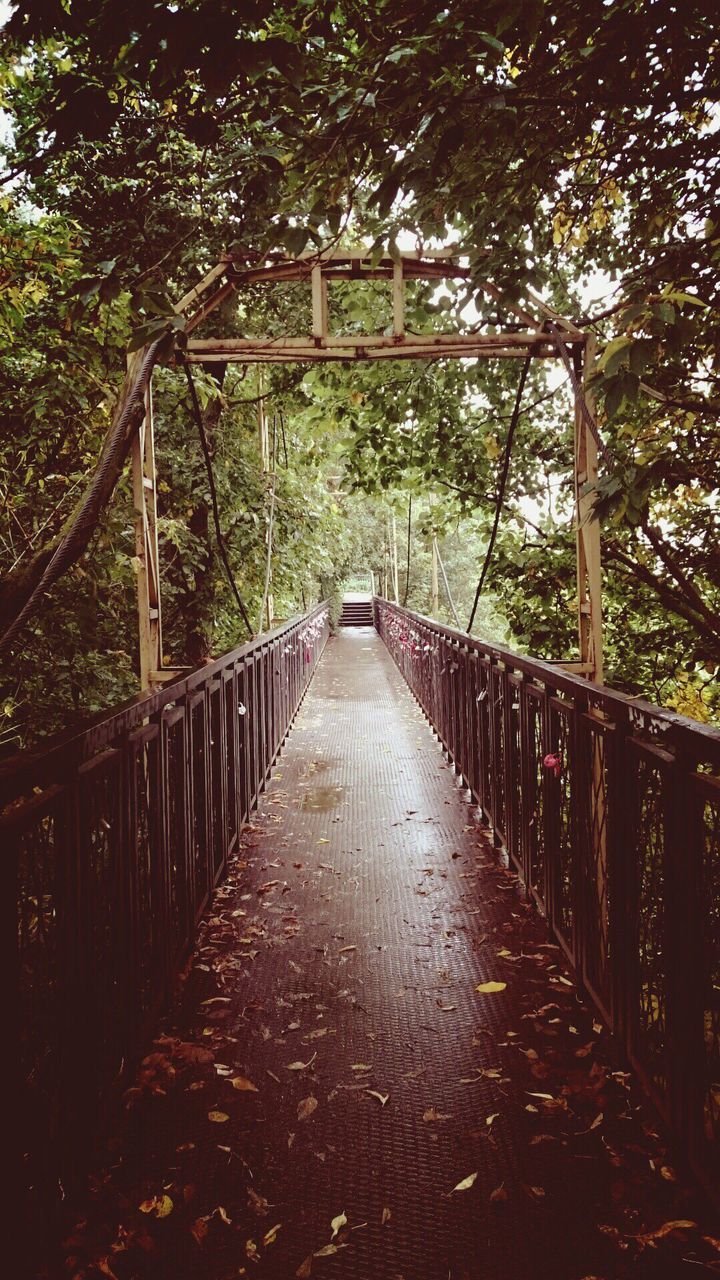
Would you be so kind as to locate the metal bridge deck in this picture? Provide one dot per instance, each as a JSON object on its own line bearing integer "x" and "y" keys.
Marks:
{"x": 365, "y": 909}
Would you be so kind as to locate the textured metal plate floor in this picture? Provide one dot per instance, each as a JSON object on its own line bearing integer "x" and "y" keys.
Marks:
{"x": 365, "y": 909}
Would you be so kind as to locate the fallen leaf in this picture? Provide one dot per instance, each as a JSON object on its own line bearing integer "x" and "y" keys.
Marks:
{"x": 326, "y": 1251}
{"x": 343, "y": 950}
{"x": 466, "y": 1183}
{"x": 158, "y": 1206}
{"x": 535, "y": 1193}
{"x": 305, "y": 1269}
{"x": 337, "y": 1223}
{"x": 489, "y": 1119}
{"x": 243, "y": 1085}
{"x": 500, "y": 1193}
{"x": 386, "y": 1216}
{"x": 218, "y": 1117}
{"x": 489, "y": 988}
{"x": 431, "y": 1115}
{"x": 306, "y": 1107}
{"x": 271, "y": 1235}
{"x": 361, "y": 1066}
{"x": 381, "y": 1097}
{"x": 257, "y": 1202}
{"x": 301, "y": 1066}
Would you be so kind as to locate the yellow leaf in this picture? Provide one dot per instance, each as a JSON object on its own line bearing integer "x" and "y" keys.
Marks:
{"x": 243, "y": 1085}
{"x": 489, "y": 988}
{"x": 386, "y": 1216}
{"x": 337, "y": 1223}
{"x": 271, "y": 1235}
{"x": 466, "y": 1183}
{"x": 158, "y": 1206}
{"x": 218, "y": 1117}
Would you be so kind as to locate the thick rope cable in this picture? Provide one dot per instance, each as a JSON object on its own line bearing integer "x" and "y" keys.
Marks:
{"x": 501, "y": 487}
{"x": 448, "y": 592}
{"x": 271, "y": 518}
{"x": 213, "y": 498}
{"x": 407, "y": 561}
{"x": 85, "y": 519}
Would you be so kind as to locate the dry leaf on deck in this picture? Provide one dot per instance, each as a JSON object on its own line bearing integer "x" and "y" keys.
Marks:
{"x": 489, "y": 988}
{"x": 337, "y": 1223}
{"x": 466, "y": 1183}
{"x": 382, "y": 1098}
{"x": 158, "y": 1206}
{"x": 243, "y": 1085}
{"x": 306, "y": 1107}
{"x": 301, "y": 1066}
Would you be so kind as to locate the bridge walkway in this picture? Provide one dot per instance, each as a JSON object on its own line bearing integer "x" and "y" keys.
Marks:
{"x": 334, "y": 1058}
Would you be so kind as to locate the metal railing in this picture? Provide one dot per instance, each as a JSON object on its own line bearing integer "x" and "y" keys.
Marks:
{"x": 113, "y": 839}
{"x": 609, "y": 810}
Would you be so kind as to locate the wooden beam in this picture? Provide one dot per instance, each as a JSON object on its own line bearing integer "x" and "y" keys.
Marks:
{"x": 342, "y": 342}
{"x": 589, "y": 572}
{"x": 209, "y": 305}
{"x": 147, "y": 557}
{"x": 398, "y": 299}
{"x": 203, "y": 285}
{"x": 350, "y": 354}
{"x": 319, "y": 326}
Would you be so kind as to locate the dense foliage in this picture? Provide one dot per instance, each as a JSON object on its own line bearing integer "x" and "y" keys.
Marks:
{"x": 567, "y": 148}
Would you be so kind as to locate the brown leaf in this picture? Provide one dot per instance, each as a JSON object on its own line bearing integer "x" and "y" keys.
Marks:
{"x": 218, "y": 1117}
{"x": 243, "y": 1085}
{"x": 306, "y": 1107}
{"x": 386, "y": 1216}
{"x": 305, "y": 1269}
{"x": 382, "y": 1098}
{"x": 432, "y": 1115}
{"x": 500, "y": 1193}
{"x": 257, "y": 1203}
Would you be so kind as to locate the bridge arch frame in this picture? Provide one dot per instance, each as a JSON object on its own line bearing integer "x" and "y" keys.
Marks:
{"x": 534, "y": 331}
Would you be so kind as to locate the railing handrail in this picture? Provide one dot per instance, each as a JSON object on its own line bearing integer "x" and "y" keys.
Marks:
{"x": 98, "y": 731}
{"x": 681, "y": 730}
{"x": 609, "y": 813}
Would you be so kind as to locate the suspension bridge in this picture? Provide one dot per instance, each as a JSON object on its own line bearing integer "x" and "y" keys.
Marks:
{"x": 391, "y": 953}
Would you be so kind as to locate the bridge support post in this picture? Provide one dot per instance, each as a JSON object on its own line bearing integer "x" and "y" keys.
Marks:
{"x": 147, "y": 561}
{"x": 587, "y": 530}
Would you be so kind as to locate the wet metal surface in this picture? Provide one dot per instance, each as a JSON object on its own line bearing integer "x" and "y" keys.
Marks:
{"x": 337, "y": 978}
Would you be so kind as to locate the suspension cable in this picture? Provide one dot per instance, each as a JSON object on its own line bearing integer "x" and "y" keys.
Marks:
{"x": 501, "y": 487}
{"x": 77, "y": 535}
{"x": 213, "y": 497}
{"x": 271, "y": 518}
{"x": 407, "y": 562}
{"x": 448, "y": 592}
